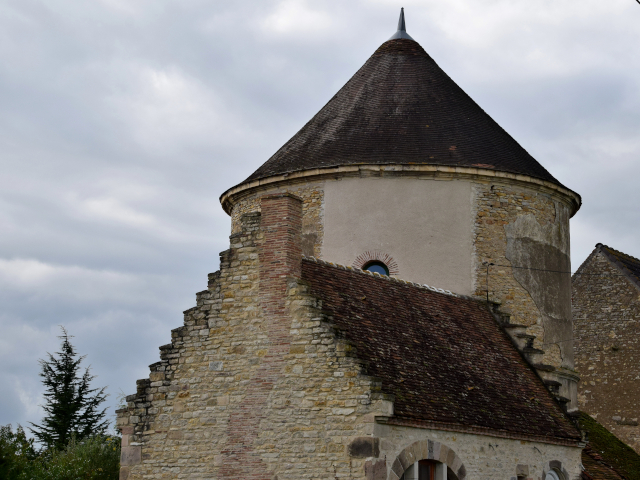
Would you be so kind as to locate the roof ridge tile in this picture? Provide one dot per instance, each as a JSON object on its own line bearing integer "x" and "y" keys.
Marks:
{"x": 628, "y": 264}
{"x": 385, "y": 277}
{"x": 445, "y": 358}
{"x": 618, "y": 252}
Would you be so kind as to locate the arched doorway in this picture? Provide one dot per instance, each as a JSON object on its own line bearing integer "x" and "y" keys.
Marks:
{"x": 428, "y": 460}
{"x": 429, "y": 470}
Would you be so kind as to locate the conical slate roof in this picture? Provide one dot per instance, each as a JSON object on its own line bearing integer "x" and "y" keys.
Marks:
{"x": 402, "y": 108}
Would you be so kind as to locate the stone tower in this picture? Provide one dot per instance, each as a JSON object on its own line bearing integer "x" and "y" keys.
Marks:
{"x": 296, "y": 365}
{"x": 401, "y": 167}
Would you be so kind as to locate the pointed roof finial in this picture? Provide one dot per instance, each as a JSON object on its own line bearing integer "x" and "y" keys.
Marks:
{"x": 401, "y": 25}
{"x": 402, "y": 29}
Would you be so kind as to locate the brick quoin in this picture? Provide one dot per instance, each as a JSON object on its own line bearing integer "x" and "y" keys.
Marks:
{"x": 280, "y": 256}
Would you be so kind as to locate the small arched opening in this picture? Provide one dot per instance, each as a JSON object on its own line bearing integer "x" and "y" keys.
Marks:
{"x": 555, "y": 471}
{"x": 428, "y": 460}
{"x": 429, "y": 470}
{"x": 376, "y": 266}
{"x": 376, "y": 262}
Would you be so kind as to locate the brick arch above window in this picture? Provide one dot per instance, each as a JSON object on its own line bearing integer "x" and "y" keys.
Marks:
{"x": 376, "y": 256}
{"x": 427, "y": 450}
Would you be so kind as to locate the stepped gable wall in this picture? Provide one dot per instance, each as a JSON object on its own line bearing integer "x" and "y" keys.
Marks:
{"x": 256, "y": 384}
{"x": 606, "y": 315}
{"x": 259, "y": 383}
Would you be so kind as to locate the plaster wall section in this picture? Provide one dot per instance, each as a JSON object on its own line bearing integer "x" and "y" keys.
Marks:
{"x": 528, "y": 229}
{"x": 483, "y": 457}
{"x": 237, "y": 396}
{"x": 312, "y": 196}
{"x": 423, "y": 224}
{"x": 606, "y": 315}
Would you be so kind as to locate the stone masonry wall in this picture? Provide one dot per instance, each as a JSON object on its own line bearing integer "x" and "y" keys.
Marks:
{"x": 482, "y": 457}
{"x": 312, "y": 221}
{"x": 515, "y": 226}
{"x": 257, "y": 384}
{"x": 606, "y": 315}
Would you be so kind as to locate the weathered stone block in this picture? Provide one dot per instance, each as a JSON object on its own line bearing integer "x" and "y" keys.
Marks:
{"x": 124, "y": 473}
{"x": 363, "y": 447}
{"x": 375, "y": 470}
{"x": 131, "y": 455}
{"x": 216, "y": 366}
{"x": 156, "y": 376}
{"x": 175, "y": 435}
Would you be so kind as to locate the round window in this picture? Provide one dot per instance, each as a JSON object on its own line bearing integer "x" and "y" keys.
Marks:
{"x": 376, "y": 267}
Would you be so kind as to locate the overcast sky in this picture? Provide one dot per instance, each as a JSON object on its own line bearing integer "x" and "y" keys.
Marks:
{"x": 122, "y": 121}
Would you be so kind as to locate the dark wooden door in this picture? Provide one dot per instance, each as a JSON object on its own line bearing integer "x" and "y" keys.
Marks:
{"x": 426, "y": 470}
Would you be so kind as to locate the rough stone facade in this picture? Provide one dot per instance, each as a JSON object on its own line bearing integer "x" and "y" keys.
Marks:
{"x": 312, "y": 220}
{"x": 483, "y": 457}
{"x": 255, "y": 377}
{"x": 520, "y": 227}
{"x": 606, "y": 313}
{"x": 507, "y": 216}
{"x": 259, "y": 384}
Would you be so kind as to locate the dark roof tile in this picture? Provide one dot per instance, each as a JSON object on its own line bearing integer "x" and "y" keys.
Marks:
{"x": 401, "y": 108}
{"x": 444, "y": 357}
{"x": 628, "y": 264}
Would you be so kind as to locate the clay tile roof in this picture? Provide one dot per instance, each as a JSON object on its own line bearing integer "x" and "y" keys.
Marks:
{"x": 628, "y": 264}
{"x": 606, "y": 457}
{"x": 444, "y": 357}
{"x": 401, "y": 108}
{"x": 595, "y": 468}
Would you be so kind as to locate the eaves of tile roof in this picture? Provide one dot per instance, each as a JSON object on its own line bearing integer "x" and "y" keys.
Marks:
{"x": 444, "y": 357}
{"x": 595, "y": 468}
{"x": 626, "y": 263}
{"x": 606, "y": 457}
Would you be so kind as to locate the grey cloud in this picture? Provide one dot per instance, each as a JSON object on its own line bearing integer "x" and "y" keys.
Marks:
{"x": 122, "y": 122}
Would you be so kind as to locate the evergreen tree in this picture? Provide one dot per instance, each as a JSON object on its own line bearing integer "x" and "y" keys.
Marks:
{"x": 71, "y": 405}
{"x": 16, "y": 452}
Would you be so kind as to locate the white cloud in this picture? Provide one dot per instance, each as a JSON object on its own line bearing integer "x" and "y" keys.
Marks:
{"x": 299, "y": 18}
{"x": 113, "y": 209}
{"x": 166, "y": 111}
{"x": 79, "y": 282}
{"x": 121, "y": 122}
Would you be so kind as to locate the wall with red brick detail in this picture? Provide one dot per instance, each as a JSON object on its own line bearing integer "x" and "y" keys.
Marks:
{"x": 260, "y": 382}
{"x": 280, "y": 256}
{"x": 385, "y": 258}
{"x": 257, "y": 383}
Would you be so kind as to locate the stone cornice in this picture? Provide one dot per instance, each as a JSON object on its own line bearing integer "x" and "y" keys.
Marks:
{"x": 451, "y": 427}
{"x": 234, "y": 194}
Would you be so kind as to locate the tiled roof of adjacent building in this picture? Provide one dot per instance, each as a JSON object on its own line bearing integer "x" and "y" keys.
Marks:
{"x": 606, "y": 456}
{"x": 401, "y": 108}
{"x": 628, "y": 264}
{"x": 444, "y": 357}
{"x": 595, "y": 468}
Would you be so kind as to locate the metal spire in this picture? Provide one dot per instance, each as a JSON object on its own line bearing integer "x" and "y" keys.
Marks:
{"x": 402, "y": 29}
{"x": 401, "y": 25}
